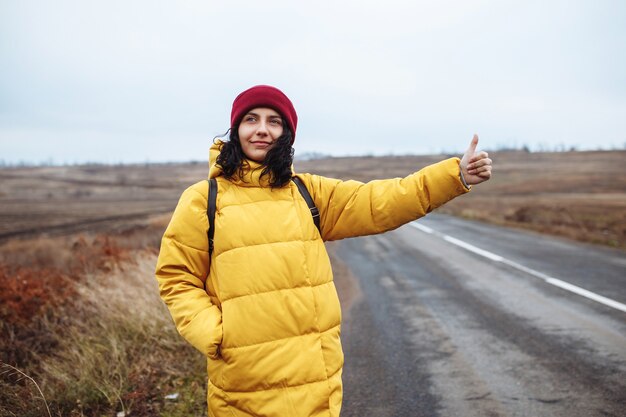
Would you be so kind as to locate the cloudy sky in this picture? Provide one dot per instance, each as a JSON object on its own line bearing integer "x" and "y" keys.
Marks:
{"x": 135, "y": 81}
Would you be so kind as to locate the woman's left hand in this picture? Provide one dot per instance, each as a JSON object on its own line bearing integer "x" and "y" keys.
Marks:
{"x": 476, "y": 167}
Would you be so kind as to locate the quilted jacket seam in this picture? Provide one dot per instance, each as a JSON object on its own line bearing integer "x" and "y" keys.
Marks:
{"x": 225, "y": 349}
{"x": 223, "y": 300}
{"x": 282, "y": 387}
{"x": 179, "y": 243}
{"x": 268, "y": 243}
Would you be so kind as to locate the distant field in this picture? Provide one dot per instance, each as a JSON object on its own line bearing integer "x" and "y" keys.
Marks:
{"x": 63, "y": 200}
{"x": 579, "y": 195}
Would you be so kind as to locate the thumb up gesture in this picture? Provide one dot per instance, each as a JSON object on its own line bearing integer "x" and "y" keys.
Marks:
{"x": 476, "y": 167}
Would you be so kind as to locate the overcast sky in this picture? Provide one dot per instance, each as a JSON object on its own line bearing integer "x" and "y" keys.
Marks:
{"x": 135, "y": 81}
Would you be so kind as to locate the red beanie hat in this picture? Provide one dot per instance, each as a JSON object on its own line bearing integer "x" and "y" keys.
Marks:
{"x": 265, "y": 96}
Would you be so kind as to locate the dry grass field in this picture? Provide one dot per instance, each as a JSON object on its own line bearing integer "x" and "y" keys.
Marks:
{"x": 577, "y": 195}
{"x": 62, "y": 200}
{"x": 79, "y": 309}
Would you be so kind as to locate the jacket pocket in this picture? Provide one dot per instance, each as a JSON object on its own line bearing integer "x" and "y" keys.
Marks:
{"x": 216, "y": 342}
{"x": 215, "y": 371}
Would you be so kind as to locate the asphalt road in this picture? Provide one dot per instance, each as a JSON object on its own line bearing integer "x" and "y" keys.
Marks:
{"x": 439, "y": 330}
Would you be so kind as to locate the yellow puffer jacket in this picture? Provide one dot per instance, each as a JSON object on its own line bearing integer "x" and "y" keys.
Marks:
{"x": 266, "y": 312}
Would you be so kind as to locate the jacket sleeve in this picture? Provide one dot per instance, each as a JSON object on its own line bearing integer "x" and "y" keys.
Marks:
{"x": 182, "y": 270}
{"x": 352, "y": 208}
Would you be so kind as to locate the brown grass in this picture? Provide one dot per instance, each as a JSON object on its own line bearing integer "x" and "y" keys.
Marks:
{"x": 82, "y": 316}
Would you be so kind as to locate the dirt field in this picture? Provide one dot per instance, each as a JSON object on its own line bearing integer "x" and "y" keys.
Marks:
{"x": 63, "y": 200}
{"x": 579, "y": 195}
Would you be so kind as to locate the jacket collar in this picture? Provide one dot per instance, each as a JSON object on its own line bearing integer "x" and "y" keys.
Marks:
{"x": 251, "y": 172}
{"x": 214, "y": 151}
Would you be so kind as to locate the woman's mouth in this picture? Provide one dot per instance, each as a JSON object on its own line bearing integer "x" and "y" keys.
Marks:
{"x": 261, "y": 145}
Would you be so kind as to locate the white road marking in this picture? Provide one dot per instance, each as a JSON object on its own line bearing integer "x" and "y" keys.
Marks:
{"x": 422, "y": 227}
{"x": 588, "y": 294}
{"x": 474, "y": 249}
{"x": 546, "y": 278}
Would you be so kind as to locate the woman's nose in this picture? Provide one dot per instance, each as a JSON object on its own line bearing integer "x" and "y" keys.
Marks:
{"x": 262, "y": 128}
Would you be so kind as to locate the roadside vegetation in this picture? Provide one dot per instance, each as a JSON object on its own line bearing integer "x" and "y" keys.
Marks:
{"x": 84, "y": 332}
{"x": 575, "y": 195}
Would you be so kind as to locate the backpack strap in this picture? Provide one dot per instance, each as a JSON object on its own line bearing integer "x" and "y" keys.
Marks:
{"x": 309, "y": 201}
{"x": 210, "y": 212}
{"x": 212, "y": 204}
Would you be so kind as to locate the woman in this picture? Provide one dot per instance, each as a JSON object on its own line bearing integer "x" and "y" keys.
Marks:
{"x": 263, "y": 308}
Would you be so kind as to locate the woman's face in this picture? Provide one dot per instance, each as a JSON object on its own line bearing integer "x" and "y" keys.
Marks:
{"x": 258, "y": 131}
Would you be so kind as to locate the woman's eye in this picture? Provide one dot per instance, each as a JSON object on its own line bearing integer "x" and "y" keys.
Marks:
{"x": 249, "y": 119}
{"x": 276, "y": 122}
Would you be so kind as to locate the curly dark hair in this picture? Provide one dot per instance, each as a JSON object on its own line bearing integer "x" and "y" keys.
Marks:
{"x": 277, "y": 163}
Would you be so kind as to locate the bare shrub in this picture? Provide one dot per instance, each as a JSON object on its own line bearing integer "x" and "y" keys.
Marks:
{"x": 11, "y": 372}
{"x": 124, "y": 346}
{"x": 93, "y": 331}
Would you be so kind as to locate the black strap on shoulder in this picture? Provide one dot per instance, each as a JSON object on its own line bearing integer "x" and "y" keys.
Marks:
{"x": 309, "y": 201}
{"x": 210, "y": 212}
{"x": 212, "y": 204}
